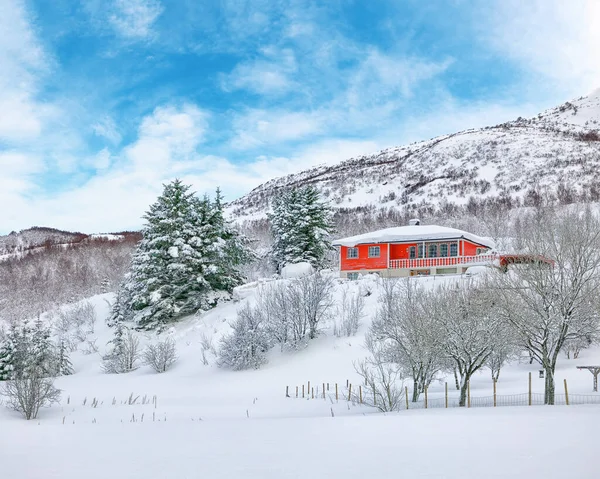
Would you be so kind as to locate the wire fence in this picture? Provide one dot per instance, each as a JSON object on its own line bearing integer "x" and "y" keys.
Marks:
{"x": 334, "y": 392}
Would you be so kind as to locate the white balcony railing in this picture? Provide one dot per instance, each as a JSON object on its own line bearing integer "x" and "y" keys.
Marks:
{"x": 441, "y": 262}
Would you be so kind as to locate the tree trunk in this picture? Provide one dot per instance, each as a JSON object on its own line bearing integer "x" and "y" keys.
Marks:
{"x": 463, "y": 393}
{"x": 416, "y": 391}
{"x": 456, "y": 383}
{"x": 549, "y": 386}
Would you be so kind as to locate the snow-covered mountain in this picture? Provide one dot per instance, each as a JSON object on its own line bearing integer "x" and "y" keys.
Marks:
{"x": 37, "y": 238}
{"x": 556, "y": 153}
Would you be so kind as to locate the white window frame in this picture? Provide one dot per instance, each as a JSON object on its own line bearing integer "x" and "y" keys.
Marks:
{"x": 372, "y": 248}
{"x": 351, "y": 256}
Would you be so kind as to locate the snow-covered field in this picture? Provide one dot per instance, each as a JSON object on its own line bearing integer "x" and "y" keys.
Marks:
{"x": 198, "y": 420}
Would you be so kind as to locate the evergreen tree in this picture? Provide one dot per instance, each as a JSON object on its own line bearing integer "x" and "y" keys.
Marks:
{"x": 62, "y": 362}
{"x": 7, "y": 351}
{"x": 27, "y": 350}
{"x": 188, "y": 251}
{"x": 301, "y": 226}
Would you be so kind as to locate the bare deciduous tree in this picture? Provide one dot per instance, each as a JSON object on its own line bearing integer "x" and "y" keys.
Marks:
{"x": 383, "y": 386}
{"x": 405, "y": 326}
{"x": 160, "y": 356}
{"x": 349, "y": 313}
{"x": 125, "y": 353}
{"x": 555, "y": 300}
{"x": 28, "y": 394}
{"x": 468, "y": 328}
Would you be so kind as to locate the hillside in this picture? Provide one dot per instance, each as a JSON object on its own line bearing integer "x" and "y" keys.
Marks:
{"x": 556, "y": 153}
{"x": 241, "y": 424}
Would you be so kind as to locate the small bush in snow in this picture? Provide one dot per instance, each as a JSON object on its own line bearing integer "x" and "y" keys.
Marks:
{"x": 124, "y": 355}
{"x": 349, "y": 314}
{"x": 383, "y": 386}
{"x": 161, "y": 356}
{"x": 28, "y": 394}
{"x": 246, "y": 346}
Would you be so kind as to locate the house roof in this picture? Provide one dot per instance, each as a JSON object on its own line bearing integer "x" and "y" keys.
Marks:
{"x": 404, "y": 234}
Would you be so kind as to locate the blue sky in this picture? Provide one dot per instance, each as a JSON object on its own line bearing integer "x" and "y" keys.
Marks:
{"x": 101, "y": 101}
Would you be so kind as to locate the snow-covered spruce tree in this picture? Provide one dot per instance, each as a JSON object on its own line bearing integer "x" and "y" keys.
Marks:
{"x": 27, "y": 349}
{"x": 187, "y": 254}
{"x": 301, "y": 225}
{"x": 246, "y": 346}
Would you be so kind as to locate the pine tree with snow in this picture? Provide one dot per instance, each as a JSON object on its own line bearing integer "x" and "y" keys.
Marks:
{"x": 227, "y": 249}
{"x": 7, "y": 351}
{"x": 188, "y": 252}
{"x": 301, "y": 226}
{"x": 62, "y": 363}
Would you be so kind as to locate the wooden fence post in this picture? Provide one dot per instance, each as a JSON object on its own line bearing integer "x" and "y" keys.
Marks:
{"x": 336, "y": 392}
{"x": 303, "y": 391}
{"x": 374, "y": 396}
{"x": 308, "y": 388}
{"x": 425, "y": 397}
{"x": 494, "y": 393}
{"x": 360, "y": 393}
{"x": 349, "y": 391}
{"x": 530, "y": 388}
{"x": 328, "y": 386}
{"x": 446, "y": 395}
{"x": 287, "y": 391}
{"x": 406, "y": 395}
{"x": 296, "y": 391}
{"x": 469, "y": 393}
{"x": 323, "y": 390}
{"x": 312, "y": 393}
{"x": 566, "y": 393}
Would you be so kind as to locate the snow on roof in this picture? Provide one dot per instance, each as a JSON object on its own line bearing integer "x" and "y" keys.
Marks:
{"x": 402, "y": 234}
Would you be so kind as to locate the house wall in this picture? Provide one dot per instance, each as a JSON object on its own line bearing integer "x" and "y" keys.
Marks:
{"x": 363, "y": 262}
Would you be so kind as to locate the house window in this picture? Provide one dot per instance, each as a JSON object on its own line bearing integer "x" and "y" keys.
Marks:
{"x": 432, "y": 251}
{"x": 482, "y": 250}
{"x": 352, "y": 253}
{"x": 352, "y": 276}
{"x": 454, "y": 249}
{"x": 421, "y": 251}
{"x": 412, "y": 252}
{"x": 444, "y": 250}
{"x": 373, "y": 251}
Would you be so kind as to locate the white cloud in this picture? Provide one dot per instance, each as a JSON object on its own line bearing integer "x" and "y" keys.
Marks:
{"x": 134, "y": 18}
{"x": 555, "y": 39}
{"x": 381, "y": 78}
{"x": 106, "y": 128}
{"x": 22, "y": 61}
{"x": 270, "y": 74}
{"x": 256, "y": 128}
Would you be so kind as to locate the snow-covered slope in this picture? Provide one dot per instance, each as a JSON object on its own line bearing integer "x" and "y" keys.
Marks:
{"x": 557, "y": 152}
{"x": 199, "y": 420}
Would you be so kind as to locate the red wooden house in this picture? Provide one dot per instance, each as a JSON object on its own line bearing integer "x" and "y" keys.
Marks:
{"x": 413, "y": 250}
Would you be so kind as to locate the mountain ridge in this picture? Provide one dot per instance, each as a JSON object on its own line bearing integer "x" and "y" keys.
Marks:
{"x": 517, "y": 160}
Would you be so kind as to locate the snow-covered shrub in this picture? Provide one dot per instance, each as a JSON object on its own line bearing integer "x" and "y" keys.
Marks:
{"x": 296, "y": 270}
{"x": 295, "y": 309}
{"x": 28, "y": 394}
{"x": 349, "y": 313}
{"x": 246, "y": 346}
{"x": 160, "y": 356}
{"x": 125, "y": 353}
{"x": 206, "y": 346}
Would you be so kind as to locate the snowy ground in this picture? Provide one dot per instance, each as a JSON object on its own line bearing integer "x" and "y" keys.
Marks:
{"x": 214, "y": 423}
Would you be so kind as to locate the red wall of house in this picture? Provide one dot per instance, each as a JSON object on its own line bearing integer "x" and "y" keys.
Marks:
{"x": 363, "y": 261}
{"x": 400, "y": 251}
